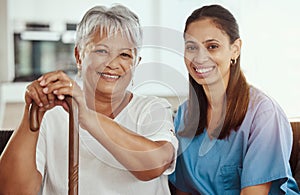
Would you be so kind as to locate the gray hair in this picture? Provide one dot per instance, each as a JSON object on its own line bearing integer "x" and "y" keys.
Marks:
{"x": 112, "y": 20}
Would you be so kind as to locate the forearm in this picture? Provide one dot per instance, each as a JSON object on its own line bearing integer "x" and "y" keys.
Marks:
{"x": 178, "y": 192}
{"x": 261, "y": 189}
{"x": 146, "y": 159}
{"x": 18, "y": 161}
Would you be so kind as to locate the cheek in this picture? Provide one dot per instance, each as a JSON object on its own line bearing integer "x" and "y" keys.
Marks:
{"x": 92, "y": 63}
{"x": 188, "y": 61}
{"x": 188, "y": 56}
{"x": 128, "y": 75}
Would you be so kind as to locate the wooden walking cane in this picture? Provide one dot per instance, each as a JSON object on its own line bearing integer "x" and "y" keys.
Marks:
{"x": 73, "y": 142}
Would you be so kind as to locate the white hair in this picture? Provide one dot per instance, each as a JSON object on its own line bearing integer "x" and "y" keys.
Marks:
{"x": 112, "y": 20}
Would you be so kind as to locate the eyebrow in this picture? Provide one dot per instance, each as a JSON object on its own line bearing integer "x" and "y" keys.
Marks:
{"x": 100, "y": 44}
{"x": 206, "y": 41}
{"x": 125, "y": 48}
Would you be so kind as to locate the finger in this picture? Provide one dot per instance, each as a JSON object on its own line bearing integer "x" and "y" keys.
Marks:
{"x": 52, "y": 77}
{"x": 64, "y": 91}
{"x": 32, "y": 95}
{"x": 43, "y": 97}
{"x": 51, "y": 98}
{"x": 28, "y": 99}
{"x": 58, "y": 85}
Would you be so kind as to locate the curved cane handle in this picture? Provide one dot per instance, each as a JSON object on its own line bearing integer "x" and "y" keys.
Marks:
{"x": 34, "y": 120}
{"x": 34, "y": 117}
{"x": 73, "y": 142}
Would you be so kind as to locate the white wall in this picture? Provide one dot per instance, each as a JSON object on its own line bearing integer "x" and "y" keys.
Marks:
{"x": 72, "y": 10}
{"x": 6, "y": 57}
{"x": 269, "y": 30}
{"x": 271, "y": 60}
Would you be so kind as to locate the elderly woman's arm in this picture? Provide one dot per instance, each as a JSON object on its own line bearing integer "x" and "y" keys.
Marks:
{"x": 145, "y": 159}
{"x": 18, "y": 172}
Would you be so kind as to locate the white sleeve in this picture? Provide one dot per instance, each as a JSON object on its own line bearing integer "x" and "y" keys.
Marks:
{"x": 156, "y": 123}
{"x": 41, "y": 150}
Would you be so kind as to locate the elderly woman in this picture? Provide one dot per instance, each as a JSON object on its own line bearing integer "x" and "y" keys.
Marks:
{"x": 126, "y": 140}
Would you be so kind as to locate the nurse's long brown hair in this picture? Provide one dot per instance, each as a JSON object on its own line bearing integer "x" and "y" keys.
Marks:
{"x": 237, "y": 91}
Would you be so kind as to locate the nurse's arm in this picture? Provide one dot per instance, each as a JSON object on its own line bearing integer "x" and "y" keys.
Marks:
{"x": 261, "y": 189}
{"x": 178, "y": 192}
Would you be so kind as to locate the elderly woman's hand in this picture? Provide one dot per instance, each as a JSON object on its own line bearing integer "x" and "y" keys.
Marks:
{"x": 60, "y": 84}
{"x": 34, "y": 93}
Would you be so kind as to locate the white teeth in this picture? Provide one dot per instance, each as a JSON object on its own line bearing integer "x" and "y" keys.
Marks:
{"x": 204, "y": 70}
{"x": 109, "y": 76}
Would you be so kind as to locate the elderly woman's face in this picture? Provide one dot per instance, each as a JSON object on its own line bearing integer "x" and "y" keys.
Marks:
{"x": 107, "y": 65}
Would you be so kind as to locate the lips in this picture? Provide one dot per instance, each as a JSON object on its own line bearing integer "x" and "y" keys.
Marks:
{"x": 108, "y": 76}
{"x": 204, "y": 70}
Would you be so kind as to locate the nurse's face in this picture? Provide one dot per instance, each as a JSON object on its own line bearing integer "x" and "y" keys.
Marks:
{"x": 208, "y": 53}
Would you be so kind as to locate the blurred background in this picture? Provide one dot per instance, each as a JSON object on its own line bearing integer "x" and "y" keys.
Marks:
{"x": 37, "y": 36}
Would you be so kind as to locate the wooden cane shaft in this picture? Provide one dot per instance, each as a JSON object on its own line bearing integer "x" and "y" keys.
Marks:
{"x": 73, "y": 150}
{"x": 73, "y": 142}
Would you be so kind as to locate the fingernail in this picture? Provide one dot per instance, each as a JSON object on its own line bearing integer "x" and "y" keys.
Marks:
{"x": 50, "y": 102}
{"x": 42, "y": 82}
{"x": 61, "y": 97}
{"x": 41, "y": 105}
{"x": 55, "y": 91}
{"x": 45, "y": 90}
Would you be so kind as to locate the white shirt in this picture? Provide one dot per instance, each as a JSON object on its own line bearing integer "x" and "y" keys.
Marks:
{"x": 99, "y": 172}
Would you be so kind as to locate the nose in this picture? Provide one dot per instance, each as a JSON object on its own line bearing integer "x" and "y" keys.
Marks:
{"x": 113, "y": 62}
{"x": 201, "y": 56}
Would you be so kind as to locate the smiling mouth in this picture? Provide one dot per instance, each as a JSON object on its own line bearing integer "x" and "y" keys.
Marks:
{"x": 108, "y": 76}
{"x": 203, "y": 70}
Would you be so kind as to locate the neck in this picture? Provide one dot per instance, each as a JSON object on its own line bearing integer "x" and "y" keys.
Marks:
{"x": 216, "y": 96}
{"x": 111, "y": 106}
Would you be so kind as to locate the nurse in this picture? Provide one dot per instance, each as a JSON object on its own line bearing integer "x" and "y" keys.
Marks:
{"x": 234, "y": 139}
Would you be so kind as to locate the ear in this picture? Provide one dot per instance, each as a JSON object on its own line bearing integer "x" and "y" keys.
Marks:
{"x": 138, "y": 60}
{"x": 236, "y": 48}
{"x": 77, "y": 55}
{"x": 78, "y": 58}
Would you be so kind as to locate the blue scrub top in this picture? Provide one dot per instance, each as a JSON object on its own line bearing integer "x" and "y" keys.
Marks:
{"x": 258, "y": 152}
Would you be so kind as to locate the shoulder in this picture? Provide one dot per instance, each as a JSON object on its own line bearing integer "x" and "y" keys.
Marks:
{"x": 142, "y": 101}
{"x": 264, "y": 113}
{"x": 179, "y": 116}
{"x": 261, "y": 104}
{"x": 181, "y": 109}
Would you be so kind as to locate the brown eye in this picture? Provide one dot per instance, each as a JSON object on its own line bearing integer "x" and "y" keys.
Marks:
{"x": 101, "y": 51}
{"x": 212, "y": 47}
{"x": 125, "y": 55}
{"x": 191, "y": 48}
